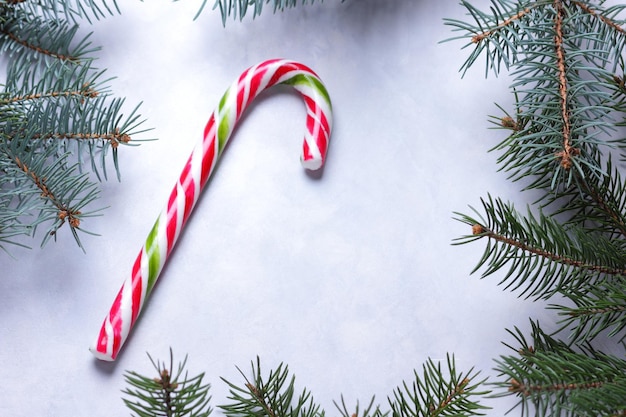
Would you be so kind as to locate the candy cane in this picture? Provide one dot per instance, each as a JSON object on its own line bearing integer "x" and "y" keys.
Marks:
{"x": 166, "y": 230}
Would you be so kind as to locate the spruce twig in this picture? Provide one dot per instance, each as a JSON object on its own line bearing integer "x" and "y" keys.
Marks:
{"x": 171, "y": 393}
{"x": 271, "y": 396}
{"x": 58, "y": 118}
{"x": 551, "y": 378}
{"x": 439, "y": 393}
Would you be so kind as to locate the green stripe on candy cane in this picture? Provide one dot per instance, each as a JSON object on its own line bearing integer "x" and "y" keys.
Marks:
{"x": 224, "y": 128}
{"x": 306, "y": 80}
{"x": 153, "y": 251}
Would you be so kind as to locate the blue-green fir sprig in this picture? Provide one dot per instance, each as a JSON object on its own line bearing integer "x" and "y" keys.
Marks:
{"x": 59, "y": 121}
{"x": 33, "y": 40}
{"x": 561, "y": 55}
{"x": 72, "y": 11}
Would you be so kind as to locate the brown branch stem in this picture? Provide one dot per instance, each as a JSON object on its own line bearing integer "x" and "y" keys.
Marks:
{"x": 568, "y": 151}
{"x": 64, "y": 213}
{"x": 593, "y": 311}
{"x": 36, "y": 48}
{"x": 527, "y": 389}
{"x": 506, "y": 22}
{"x": 259, "y": 397}
{"x": 114, "y": 138}
{"x": 478, "y": 229}
{"x": 86, "y": 91}
{"x": 456, "y": 391}
{"x": 587, "y": 9}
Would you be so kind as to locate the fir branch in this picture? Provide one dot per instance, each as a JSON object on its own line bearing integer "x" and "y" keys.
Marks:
{"x": 113, "y": 138}
{"x": 57, "y": 119}
{"x": 271, "y": 396}
{"x": 26, "y": 44}
{"x": 563, "y": 107}
{"x": 170, "y": 394}
{"x": 602, "y": 16}
{"x": 39, "y": 40}
{"x": 551, "y": 378}
{"x": 498, "y": 34}
{"x": 566, "y": 60}
{"x": 71, "y": 105}
{"x": 54, "y": 189}
{"x": 598, "y": 206}
{"x": 543, "y": 255}
{"x": 598, "y": 307}
{"x": 70, "y": 10}
{"x": 83, "y": 92}
{"x": 84, "y": 126}
{"x": 507, "y": 22}
{"x": 435, "y": 393}
{"x": 55, "y": 79}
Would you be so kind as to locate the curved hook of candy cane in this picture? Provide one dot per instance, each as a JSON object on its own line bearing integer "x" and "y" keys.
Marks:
{"x": 196, "y": 172}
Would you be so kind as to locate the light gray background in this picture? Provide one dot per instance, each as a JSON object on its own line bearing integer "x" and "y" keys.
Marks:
{"x": 350, "y": 279}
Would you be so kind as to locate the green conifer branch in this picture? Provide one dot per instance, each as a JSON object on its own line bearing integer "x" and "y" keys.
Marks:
{"x": 544, "y": 257}
{"x": 47, "y": 192}
{"x": 598, "y": 206}
{"x": 596, "y": 309}
{"x": 271, "y": 396}
{"x": 551, "y": 378}
{"x": 438, "y": 393}
{"x": 434, "y": 392}
{"x": 172, "y": 393}
{"x": 33, "y": 38}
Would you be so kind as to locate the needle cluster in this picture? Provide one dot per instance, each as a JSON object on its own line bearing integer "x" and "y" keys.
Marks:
{"x": 59, "y": 123}
{"x": 238, "y": 9}
{"x": 565, "y": 130}
{"x": 172, "y": 393}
